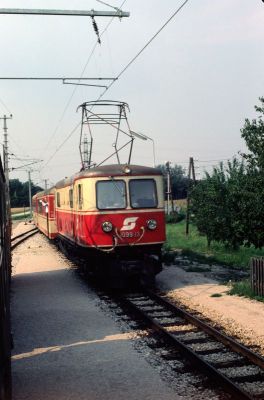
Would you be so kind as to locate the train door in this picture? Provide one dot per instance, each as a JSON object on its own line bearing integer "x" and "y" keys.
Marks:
{"x": 35, "y": 210}
{"x": 50, "y": 213}
{"x": 71, "y": 209}
{"x": 78, "y": 196}
{"x": 46, "y": 209}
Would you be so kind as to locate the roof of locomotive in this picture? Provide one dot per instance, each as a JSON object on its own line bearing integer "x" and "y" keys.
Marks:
{"x": 44, "y": 192}
{"x": 109, "y": 170}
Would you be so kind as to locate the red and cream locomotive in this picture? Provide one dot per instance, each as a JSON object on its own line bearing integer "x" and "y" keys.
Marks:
{"x": 112, "y": 214}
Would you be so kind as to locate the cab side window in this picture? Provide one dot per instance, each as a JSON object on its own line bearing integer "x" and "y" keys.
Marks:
{"x": 80, "y": 196}
{"x": 71, "y": 198}
{"x": 40, "y": 206}
{"x": 58, "y": 200}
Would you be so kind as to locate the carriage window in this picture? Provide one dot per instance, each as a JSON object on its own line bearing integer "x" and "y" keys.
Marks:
{"x": 58, "y": 200}
{"x": 143, "y": 193}
{"x": 111, "y": 194}
{"x": 71, "y": 198}
{"x": 40, "y": 206}
{"x": 80, "y": 196}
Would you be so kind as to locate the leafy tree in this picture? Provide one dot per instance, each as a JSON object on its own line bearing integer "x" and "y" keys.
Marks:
{"x": 217, "y": 204}
{"x": 236, "y": 218}
{"x": 228, "y": 204}
{"x": 252, "y": 208}
{"x": 253, "y": 134}
{"x": 253, "y": 205}
{"x": 15, "y": 188}
{"x": 208, "y": 199}
{"x": 19, "y": 192}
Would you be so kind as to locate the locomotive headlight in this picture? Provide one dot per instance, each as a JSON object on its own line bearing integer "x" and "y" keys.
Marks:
{"x": 107, "y": 226}
{"x": 127, "y": 170}
{"x": 152, "y": 224}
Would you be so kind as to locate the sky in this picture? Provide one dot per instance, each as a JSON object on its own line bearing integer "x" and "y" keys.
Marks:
{"x": 190, "y": 90}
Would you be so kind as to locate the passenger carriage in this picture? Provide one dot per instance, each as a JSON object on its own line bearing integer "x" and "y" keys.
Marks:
{"x": 44, "y": 212}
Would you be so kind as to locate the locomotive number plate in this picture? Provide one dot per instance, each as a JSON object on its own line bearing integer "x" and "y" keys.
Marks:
{"x": 130, "y": 234}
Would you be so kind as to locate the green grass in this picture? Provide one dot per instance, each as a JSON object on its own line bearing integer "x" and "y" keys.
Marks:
{"x": 19, "y": 210}
{"x": 243, "y": 288}
{"x": 195, "y": 247}
{"x": 21, "y": 216}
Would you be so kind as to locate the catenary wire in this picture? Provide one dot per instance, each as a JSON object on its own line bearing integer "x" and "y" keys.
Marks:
{"x": 144, "y": 47}
{"x": 76, "y": 87}
{"x": 207, "y": 161}
{"x": 121, "y": 73}
{"x": 109, "y": 5}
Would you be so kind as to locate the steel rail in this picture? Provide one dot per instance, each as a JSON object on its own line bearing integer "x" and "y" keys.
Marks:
{"x": 231, "y": 386}
{"x": 226, "y": 340}
{"x": 23, "y": 236}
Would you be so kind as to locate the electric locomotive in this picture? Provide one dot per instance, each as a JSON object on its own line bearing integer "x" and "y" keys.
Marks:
{"x": 113, "y": 215}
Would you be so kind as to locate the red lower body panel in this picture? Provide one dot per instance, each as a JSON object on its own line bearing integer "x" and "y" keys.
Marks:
{"x": 128, "y": 228}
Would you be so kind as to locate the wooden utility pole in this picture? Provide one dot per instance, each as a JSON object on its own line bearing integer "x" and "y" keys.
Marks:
{"x": 191, "y": 175}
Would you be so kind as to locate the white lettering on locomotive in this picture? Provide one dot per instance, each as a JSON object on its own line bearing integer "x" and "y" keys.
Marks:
{"x": 129, "y": 224}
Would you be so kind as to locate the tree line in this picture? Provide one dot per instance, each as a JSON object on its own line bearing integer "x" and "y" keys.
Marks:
{"x": 19, "y": 192}
{"x": 227, "y": 205}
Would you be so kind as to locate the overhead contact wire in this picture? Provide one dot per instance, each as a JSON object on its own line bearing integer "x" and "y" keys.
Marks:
{"x": 76, "y": 87}
{"x": 125, "y": 68}
{"x": 143, "y": 48}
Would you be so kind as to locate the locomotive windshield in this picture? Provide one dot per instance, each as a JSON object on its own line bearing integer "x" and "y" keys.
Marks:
{"x": 111, "y": 194}
{"x": 143, "y": 193}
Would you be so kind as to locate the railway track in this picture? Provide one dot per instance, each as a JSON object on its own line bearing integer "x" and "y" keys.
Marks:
{"x": 17, "y": 240}
{"x": 233, "y": 366}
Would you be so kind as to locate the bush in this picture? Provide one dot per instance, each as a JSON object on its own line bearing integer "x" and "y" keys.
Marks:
{"x": 175, "y": 217}
{"x": 243, "y": 288}
{"x": 228, "y": 204}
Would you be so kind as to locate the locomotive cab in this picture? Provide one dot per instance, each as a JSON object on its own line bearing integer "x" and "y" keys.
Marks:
{"x": 115, "y": 215}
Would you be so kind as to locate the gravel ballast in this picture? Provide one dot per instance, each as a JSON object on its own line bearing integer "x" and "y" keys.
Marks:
{"x": 239, "y": 317}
